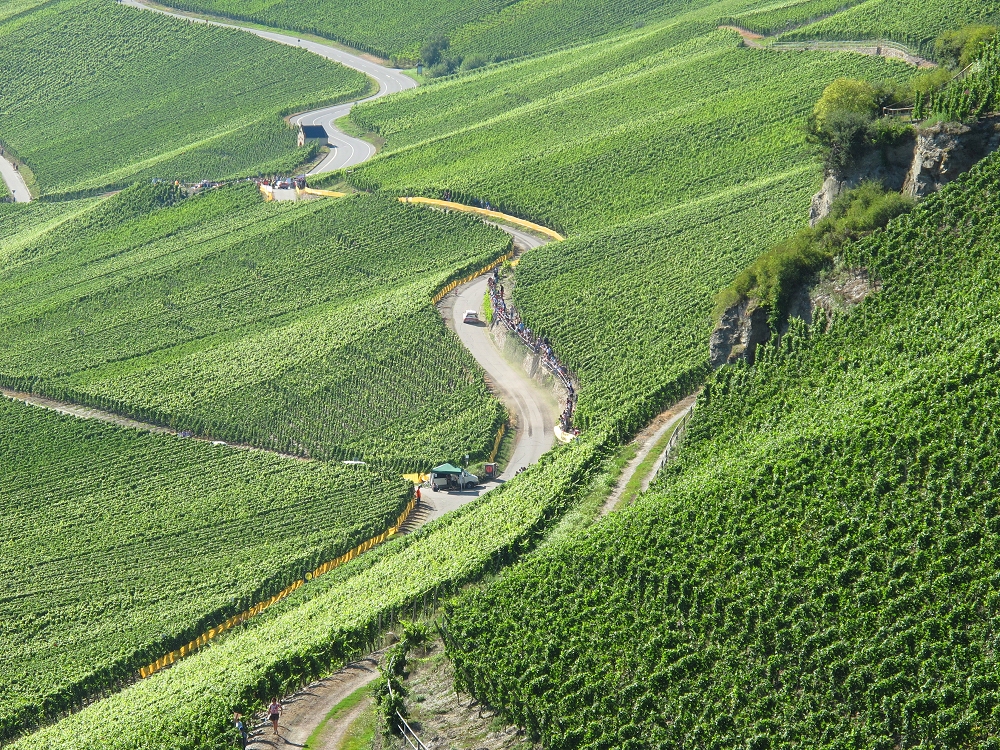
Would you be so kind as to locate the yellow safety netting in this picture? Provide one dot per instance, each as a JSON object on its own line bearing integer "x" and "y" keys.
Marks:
{"x": 486, "y": 212}
{"x": 165, "y": 661}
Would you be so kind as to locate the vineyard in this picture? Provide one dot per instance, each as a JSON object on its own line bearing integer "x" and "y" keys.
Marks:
{"x": 819, "y": 566}
{"x": 305, "y": 329}
{"x": 969, "y": 97}
{"x": 321, "y": 624}
{"x": 630, "y": 180}
{"x": 486, "y": 29}
{"x": 773, "y": 20}
{"x": 912, "y": 22}
{"x": 815, "y": 567}
{"x": 169, "y": 99}
{"x": 120, "y": 545}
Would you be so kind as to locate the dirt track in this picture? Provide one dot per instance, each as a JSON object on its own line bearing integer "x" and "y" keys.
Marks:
{"x": 305, "y": 710}
{"x": 887, "y": 50}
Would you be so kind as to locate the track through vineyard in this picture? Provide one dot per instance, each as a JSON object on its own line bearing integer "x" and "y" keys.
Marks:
{"x": 345, "y": 150}
{"x": 888, "y": 50}
{"x": 14, "y": 181}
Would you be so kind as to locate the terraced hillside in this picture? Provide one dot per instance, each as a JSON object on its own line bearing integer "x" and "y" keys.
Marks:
{"x": 306, "y": 329}
{"x": 120, "y": 545}
{"x": 818, "y": 566}
{"x": 168, "y": 99}
{"x": 671, "y": 162}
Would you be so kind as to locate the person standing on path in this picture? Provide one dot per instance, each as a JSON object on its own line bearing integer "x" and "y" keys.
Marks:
{"x": 241, "y": 728}
{"x": 274, "y": 713}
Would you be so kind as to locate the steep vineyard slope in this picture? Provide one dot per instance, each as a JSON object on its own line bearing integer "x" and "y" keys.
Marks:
{"x": 818, "y": 567}
{"x": 488, "y": 29}
{"x": 169, "y": 99}
{"x": 188, "y": 706}
{"x": 303, "y": 328}
{"x": 670, "y": 161}
{"x": 119, "y": 546}
{"x": 910, "y": 22}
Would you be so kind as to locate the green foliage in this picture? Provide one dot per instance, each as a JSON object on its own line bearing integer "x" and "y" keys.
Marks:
{"x": 845, "y": 121}
{"x": 969, "y": 97}
{"x": 120, "y": 546}
{"x": 775, "y": 275}
{"x": 666, "y": 196}
{"x": 916, "y": 23}
{"x": 329, "y": 620}
{"x": 845, "y": 95}
{"x": 303, "y": 328}
{"x": 818, "y": 568}
{"x": 170, "y": 99}
{"x": 959, "y": 48}
{"x": 434, "y": 49}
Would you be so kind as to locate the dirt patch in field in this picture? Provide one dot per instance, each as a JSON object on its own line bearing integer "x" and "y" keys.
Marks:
{"x": 445, "y": 720}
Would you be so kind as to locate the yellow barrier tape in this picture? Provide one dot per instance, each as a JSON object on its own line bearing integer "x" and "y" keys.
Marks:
{"x": 201, "y": 640}
{"x": 486, "y": 212}
{"x": 325, "y": 193}
{"x": 496, "y": 444}
{"x": 458, "y": 282}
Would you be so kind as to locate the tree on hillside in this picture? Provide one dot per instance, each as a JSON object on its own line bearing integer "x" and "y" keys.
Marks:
{"x": 433, "y": 50}
{"x": 959, "y": 48}
{"x": 847, "y": 96}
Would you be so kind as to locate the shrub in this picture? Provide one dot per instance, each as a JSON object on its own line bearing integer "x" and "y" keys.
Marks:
{"x": 772, "y": 278}
{"x": 959, "y": 48}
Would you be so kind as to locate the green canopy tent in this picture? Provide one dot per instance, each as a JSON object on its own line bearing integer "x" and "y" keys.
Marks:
{"x": 446, "y": 469}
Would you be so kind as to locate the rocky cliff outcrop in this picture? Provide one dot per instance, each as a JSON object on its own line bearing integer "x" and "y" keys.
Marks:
{"x": 889, "y": 166}
{"x": 745, "y": 325}
{"x": 741, "y": 330}
{"x": 947, "y": 150}
{"x": 916, "y": 166}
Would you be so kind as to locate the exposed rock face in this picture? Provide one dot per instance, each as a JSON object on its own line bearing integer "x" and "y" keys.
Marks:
{"x": 945, "y": 151}
{"x": 743, "y": 327}
{"x": 889, "y": 166}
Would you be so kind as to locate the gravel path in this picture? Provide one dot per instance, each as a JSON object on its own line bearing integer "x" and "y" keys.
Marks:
{"x": 888, "y": 50}
{"x": 306, "y": 709}
{"x": 647, "y": 440}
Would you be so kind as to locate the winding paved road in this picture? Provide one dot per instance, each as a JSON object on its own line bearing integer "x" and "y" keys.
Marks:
{"x": 534, "y": 408}
{"x": 345, "y": 150}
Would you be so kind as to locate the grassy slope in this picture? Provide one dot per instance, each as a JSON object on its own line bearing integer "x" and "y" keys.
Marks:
{"x": 120, "y": 545}
{"x": 668, "y": 161}
{"x": 911, "y": 22}
{"x": 819, "y": 567}
{"x": 305, "y": 328}
{"x": 168, "y": 98}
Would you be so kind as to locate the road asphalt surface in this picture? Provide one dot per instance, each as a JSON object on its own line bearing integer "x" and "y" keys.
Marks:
{"x": 15, "y": 183}
{"x": 535, "y": 410}
{"x": 345, "y": 150}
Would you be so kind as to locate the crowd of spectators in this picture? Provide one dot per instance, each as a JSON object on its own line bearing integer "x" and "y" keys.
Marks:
{"x": 509, "y": 317}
